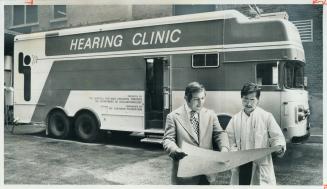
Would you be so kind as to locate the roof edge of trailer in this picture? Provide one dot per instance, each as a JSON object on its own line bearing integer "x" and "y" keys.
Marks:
{"x": 226, "y": 14}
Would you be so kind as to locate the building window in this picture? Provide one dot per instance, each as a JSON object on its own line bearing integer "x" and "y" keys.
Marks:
{"x": 23, "y": 15}
{"x": 59, "y": 12}
{"x": 267, "y": 74}
{"x": 191, "y": 9}
{"x": 205, "y": 60}
{"x": 305, "y": 28}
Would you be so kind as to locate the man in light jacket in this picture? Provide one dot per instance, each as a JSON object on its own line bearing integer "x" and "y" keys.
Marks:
{"x": 196, "y": 125}
{"x": 253, "y": 128}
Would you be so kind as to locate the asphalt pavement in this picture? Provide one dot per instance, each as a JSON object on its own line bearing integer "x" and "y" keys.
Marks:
{"x": 33, "y": 158}
{"x": 316, "y": 135}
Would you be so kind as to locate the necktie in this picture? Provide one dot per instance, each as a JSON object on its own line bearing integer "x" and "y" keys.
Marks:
{"x": 195, "y": 122}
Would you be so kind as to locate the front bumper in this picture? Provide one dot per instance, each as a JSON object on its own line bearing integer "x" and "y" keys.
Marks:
{"x": 303, "y": 138}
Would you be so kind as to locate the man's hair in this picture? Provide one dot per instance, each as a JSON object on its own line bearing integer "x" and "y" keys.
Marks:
{"x": 249, "y": 88}
{"x": 191, "y": 88}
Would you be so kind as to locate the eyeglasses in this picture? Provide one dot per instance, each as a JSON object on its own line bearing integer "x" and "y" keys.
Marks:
{"x": 198, "y": 99}
{"x": 247, "y": 100}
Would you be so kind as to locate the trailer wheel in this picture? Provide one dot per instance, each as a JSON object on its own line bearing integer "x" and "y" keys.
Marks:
{"x": 59, "y": 125}
{"x": 86, "y": 127}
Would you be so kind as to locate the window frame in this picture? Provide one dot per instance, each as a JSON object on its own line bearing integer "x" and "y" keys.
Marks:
{"x": 24, "y": 24}
{"x": 205, "y": 58}
{"x": 278, "y": 74}
{"x": 285, "y": 77}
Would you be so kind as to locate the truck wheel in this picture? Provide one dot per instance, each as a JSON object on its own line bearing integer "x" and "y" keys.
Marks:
{"x": 86, "y": 127}
{"x": 59, "y": 125}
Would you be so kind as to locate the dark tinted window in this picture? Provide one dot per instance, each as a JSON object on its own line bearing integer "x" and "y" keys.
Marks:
{"x": 198, "y": 60}
{"x": 211, "y": 59}
{"x": 267, "y": 74}
{"x": 294, "y": 77}
{"x": 205, "y": 60}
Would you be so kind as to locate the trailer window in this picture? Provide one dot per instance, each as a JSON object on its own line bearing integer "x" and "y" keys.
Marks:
{"x": 267, "y": 74}
{"x": 205, "y": 60}
{"x": 294, "y": 77}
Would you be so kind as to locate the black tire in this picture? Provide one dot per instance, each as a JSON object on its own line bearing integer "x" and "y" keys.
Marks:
{"x": 86, "y": 127}
{"x": 59, "y": 125}
{"x": 224, "y": 120}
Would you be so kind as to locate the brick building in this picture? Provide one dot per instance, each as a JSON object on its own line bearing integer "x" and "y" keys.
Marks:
{"x": 308, "y": 19}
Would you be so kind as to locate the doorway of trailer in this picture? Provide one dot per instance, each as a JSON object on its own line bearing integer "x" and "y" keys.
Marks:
{"x": 157, "y": 93}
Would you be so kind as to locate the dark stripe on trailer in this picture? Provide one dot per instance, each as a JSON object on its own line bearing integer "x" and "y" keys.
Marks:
{"x": 202, "y": 33}
{"x": 89, "y": 74}
{"x": 207, "y": 33}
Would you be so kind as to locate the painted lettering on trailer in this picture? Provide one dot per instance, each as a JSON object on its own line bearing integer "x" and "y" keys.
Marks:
{"x": 136, "y": 38}
{"x": 124, "y": 103}
{"x": 139, "y": 39}
{"x": 158, "y": 37}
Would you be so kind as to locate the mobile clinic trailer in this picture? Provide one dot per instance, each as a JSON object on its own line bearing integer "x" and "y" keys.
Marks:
{"x": 129, "y": 76}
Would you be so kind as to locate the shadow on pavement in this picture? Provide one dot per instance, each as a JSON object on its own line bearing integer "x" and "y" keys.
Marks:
{"x": 124, "y": 139}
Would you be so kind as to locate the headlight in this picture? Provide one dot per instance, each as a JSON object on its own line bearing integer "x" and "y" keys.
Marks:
{"x": 300, "y": 116}
{"x": 301, "y": 113}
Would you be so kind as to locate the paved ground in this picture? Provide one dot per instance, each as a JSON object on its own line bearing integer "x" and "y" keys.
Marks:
{"x": 119, "y": 159}
{"x": 36, "y": 159}
{"x": 316, "y": 135}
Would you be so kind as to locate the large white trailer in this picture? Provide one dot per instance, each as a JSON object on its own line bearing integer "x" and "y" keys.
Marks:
{"x": 128, "y": 76}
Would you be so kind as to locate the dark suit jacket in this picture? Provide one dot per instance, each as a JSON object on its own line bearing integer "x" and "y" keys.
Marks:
{"x": 178, "y": 129}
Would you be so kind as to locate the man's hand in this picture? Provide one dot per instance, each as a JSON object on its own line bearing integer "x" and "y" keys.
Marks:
{"x": 280, "y": 153}
{"x": 178, "y": 154}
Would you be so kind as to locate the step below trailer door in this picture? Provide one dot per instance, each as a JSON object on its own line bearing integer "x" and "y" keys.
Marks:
{"x": 157, "y": 94}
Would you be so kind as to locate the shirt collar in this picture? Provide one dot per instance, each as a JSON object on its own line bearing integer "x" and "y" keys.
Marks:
{"x": 251, "y": 114}
{"x": 188, "y": 109}
{"x": 245, "y": 115}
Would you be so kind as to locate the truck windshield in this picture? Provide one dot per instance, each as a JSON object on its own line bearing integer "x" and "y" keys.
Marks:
{"x": 294, "y": 75}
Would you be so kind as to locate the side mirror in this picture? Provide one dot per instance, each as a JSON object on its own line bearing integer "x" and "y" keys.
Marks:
{"x": 305, "y": 82}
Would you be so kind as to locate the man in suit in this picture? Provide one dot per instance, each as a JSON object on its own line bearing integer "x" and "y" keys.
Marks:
{"x": 196, "y": 125}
